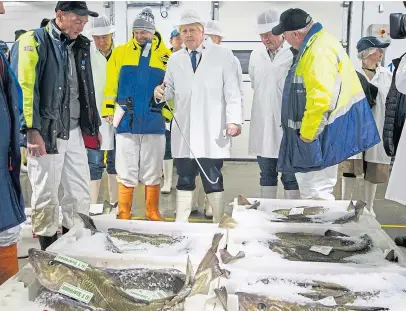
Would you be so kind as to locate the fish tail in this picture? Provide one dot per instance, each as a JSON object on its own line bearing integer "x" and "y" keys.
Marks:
{"x": 88, "y": 222}
{"x": 222, "y": 295}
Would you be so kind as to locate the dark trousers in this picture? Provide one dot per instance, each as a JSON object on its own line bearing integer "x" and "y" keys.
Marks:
{"x": 188, "y": 169}
{"x": 269, "y": 174}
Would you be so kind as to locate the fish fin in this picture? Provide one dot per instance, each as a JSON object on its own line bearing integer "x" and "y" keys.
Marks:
{"x": 255, "y": 205}
{"x": 107, "y": 207}
{"x": 88, "y": 222}
{"x": 225, "y": 273}
{"x": 241, "y": 200}
{"x": 222, "y": 295}
{"x": 226, "y": 257}
{"x": 189, "y": 273}
{"x": 335, "y": 233}
{"x": 227, "y": 222}
{"x": 356, "y": 308}
{"x": 359, "y": 208}
{"x": 216, "y": 241}
{"x": 129, "y": 296}
{"x": 111, "y": 246}
{"x": 391, "y": 256}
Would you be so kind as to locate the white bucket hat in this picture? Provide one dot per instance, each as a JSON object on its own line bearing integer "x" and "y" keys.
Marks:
{"x": 213, "y": 28}
{"x": 190, "y": 17}
{"x": 100, "y": 26}
{"x": 267, "y": 20}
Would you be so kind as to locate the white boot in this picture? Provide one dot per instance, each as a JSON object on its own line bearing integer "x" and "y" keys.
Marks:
{"x": 269, "y": 192}
{"x": 198, "y": 195}
{"x": 183, "y": 205}
{"x": 94, "y": 191}
{"x": 208, "y": 209}
{"x": 292, "y": 194}
{"x": 370, "y": 190}
{"x": 216, "y": 200}
{"x": 168, "y": 173}
{"x": 347, "y": 187}
{"x": 113, "y": 188}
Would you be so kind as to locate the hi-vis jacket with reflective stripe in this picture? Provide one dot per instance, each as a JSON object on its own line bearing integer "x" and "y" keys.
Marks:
{"x": 133, "y": 72}
{"x": 323, "y": 101}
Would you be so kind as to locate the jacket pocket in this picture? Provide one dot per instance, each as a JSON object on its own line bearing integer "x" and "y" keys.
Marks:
{"x": 307, "y": 155}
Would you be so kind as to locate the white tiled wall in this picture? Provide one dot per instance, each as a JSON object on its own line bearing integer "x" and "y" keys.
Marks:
{"x": 29, "y": 14}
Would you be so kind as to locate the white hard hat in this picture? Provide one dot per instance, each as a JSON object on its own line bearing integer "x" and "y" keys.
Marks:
{"x": 100, "y": 26}
{"x": 267, "y": 20}
{"x": 190, "y": 17}
{"x": 213, "y": 28}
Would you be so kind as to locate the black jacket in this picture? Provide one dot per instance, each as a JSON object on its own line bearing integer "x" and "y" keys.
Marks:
{"x": 395, "y": 114}
{"x": 40, "y": 59}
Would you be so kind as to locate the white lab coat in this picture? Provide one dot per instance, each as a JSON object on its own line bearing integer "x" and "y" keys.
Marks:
{"x": 267, "y": 81}
{"x": 396, "y": 189}
{"x": 205, "y": 102}
{"x": 99, "y": 64}
{"x": 382, "y": 80}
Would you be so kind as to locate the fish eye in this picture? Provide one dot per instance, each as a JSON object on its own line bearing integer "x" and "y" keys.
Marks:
{"x": 261, "y": 306}
{"x": 51, "y": 263}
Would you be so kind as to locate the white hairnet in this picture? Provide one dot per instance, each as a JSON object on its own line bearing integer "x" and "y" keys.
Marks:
{"x": 190, "y": 17}
{"x": 100, "y": 26}
{"x": 213, "y": 28}
{"x": 365, "y": 53}
{"x": 267, "y": 20}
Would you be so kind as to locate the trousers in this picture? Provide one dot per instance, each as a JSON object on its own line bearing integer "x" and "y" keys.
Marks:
{"x": 318, "y": 185}
{"x": 269, "y": 174}
{"x": 188, "y": 169}
{"x": 139, "y": 157}
{"x": 96, "y": 163}
{"x": 69, "y": 167}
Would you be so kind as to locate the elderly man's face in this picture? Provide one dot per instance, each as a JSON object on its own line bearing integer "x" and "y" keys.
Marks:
{"x": 192, "y": 35}
{"x": 270, "y": 41}
{"x": 2, "y": 10}
{"x": 71, "y": 24}
{"x": 142, "y": 36}
{"x": 104, "y": 42}
{"x": 294, "y": 39}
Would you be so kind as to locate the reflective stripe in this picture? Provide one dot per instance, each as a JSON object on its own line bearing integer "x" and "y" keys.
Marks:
{"x": 294, "y": 125}
{"x": 298, "y": 79}
{"x": 110, "y": 97}
{"x": 343, "y": 110}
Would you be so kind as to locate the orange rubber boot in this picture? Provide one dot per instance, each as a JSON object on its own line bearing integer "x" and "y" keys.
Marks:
{"x": 152, "y": 203}
{"x": 125, "y": 200}
{"x": 8, "y": 262}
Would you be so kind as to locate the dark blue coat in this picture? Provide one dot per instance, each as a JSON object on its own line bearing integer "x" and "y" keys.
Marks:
{"x": 12, "y": 203}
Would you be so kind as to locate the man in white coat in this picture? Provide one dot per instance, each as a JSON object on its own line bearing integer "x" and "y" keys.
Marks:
{"x": 268, "y": 68}
{"x": 102, "y": 32}
{"x": 202, "y": 81}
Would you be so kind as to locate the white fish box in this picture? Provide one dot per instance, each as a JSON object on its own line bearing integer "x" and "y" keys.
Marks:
{"x": 79, "y": 243}
{"x": 388, "y": 289}
{"x": 20, "y": 292}
{"x": 264, "y": 216}
{"x": 260, "y": 258}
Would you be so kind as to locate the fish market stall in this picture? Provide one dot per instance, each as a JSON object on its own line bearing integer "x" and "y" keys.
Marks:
{"x": 118, "y": 242}
{"x": 254, "y": 212}
{"x": 373, "y": 290}
{"x": 314, "y": 249}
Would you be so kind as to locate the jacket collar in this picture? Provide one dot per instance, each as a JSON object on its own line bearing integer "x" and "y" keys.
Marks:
{"x": 317, "y": 27}
{"x": 56, "y": 33}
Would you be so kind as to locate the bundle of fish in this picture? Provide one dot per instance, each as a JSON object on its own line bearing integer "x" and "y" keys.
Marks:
{"x": 320, "y": 290}
{"x": 311, "y": 214}
{"x": 331, "y": 247}
{"x": 116, "y": 238}
{"x": 253, "y": 302}
{"x": 76, "y": 285}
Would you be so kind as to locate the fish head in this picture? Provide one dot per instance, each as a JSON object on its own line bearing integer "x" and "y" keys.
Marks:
{"x": 50, "y": 273}
{"x": 253, "y": 302}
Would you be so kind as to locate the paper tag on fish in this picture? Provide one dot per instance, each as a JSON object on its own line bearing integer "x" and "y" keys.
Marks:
{"x": 72, "y": 262}
{"x": 147, "y": 294}
{"x": 76, "y": 293}
{"x": 325, "y": 250}
{"x": 296, "y": 211}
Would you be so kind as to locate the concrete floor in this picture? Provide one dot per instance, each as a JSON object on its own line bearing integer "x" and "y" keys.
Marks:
{"x": 243, "y": 178}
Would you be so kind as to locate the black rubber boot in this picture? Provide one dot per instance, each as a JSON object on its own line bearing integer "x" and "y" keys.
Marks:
{"x": 46, "y": 241}
{"x": 64, "y": 230}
